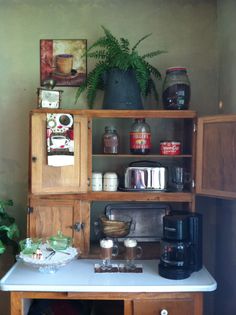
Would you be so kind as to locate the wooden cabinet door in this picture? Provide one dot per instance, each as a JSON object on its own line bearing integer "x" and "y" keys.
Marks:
{"x": 72, "y": 217}
{"x": 185, "y": 305}
{"x": 216, "y": 156}
{"x": 47, "y": 179}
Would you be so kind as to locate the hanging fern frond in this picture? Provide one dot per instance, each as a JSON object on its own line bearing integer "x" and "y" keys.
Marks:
{"x": 154, "y": 54}
{"x": 99, "y": 54}
{"x": 124, "y": 44}
{"x": 139, "y": 41}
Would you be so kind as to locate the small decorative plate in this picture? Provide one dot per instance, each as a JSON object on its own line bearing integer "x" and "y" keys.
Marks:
{"x": 50, "y": 260}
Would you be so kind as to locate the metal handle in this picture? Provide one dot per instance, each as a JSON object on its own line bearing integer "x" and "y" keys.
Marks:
{"x": 78, "y": 226}
{"x": 34, "y": 159}
{"x": 164, "y": 312}
{"x": 145, "y": 163}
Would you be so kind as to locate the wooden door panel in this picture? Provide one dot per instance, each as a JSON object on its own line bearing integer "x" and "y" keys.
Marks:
{"x": 71, "y": 217}
{"x": 216, "y": 156}
{"x": 63, "y": 179}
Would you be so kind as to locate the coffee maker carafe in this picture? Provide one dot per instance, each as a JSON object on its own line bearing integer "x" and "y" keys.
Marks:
{"x": 181, "y": 246}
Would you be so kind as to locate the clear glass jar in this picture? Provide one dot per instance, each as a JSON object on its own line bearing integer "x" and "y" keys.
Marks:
{"x": 140, "y": 137}
{"x": 110, "y": 141}
{"x": 176, "y": 89}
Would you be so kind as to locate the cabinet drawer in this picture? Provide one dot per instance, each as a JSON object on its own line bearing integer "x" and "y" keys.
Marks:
{"x": 164, "y": 307}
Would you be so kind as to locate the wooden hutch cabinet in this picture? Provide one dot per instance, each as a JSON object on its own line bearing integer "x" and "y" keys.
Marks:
{"x": 61, "y": 198}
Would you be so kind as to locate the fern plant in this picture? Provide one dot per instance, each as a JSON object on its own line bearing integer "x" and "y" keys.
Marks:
{"x": 8, "y": 228}
{"x": 113, "y": 53}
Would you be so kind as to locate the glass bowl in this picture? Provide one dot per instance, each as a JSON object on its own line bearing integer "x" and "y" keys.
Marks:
{"x": 59, "y": 241}
{"x": 116, "y": 225}
{"x": 29, "y": 245}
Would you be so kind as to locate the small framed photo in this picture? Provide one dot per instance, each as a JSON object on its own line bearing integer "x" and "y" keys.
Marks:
{"x": 63, "y": 60}
{"x": 49, "y": 98}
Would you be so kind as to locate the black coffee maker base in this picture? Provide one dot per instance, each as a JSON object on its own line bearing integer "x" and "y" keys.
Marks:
{"x": 173, "y": 273}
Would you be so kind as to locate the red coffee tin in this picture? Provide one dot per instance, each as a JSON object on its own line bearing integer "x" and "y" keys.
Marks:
{"x": 170, "y": 148}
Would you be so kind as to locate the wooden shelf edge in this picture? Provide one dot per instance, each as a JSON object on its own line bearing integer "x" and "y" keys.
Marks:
{"x": 101, "y": 113}
{"x": 121, "y": 196}
{"x": 160, "y": 156}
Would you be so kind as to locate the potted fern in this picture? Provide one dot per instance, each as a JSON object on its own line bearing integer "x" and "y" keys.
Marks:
{"x": 8, "y": 228}
{"x": 121, "y": 72}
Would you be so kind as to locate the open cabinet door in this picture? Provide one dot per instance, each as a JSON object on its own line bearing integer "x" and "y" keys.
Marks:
{"x": 216, "y": 156}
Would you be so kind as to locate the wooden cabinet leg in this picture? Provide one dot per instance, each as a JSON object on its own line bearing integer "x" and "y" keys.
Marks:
{"x": 128, "y": 307}
{"x": 16, "y": 303}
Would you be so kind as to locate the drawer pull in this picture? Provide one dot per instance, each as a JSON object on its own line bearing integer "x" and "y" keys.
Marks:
{"x": 164, "y": 312}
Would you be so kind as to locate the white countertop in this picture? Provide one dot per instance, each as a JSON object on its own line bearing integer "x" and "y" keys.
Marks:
{"x": 79, "y": 276}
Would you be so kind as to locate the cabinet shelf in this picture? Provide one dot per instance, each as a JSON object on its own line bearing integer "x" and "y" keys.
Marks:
{"x": 159, "y": 156}
{"x": 120, "y": 196}
{"x": 101, "y": 113}
{"x": 140, "y": 196}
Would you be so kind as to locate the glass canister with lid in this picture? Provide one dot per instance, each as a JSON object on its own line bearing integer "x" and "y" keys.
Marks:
{"x": 176, "y": 89}
{"x": 110, "y": 140}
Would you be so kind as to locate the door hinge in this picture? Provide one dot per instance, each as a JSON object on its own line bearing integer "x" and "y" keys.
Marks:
{"x": 194, "y": 127}
{"x": 88, "y": 181}
{"x": 30, "y": 210}
{"x": 89, "y": 124}
{"x": 193, "y": 183}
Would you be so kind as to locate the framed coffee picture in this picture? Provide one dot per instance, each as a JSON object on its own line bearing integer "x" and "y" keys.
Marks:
{"x": 63, "y": 60}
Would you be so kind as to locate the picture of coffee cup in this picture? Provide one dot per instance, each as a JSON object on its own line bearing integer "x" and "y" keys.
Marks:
{"x": 59, "y": 141}
{"x": 64, "y": 64}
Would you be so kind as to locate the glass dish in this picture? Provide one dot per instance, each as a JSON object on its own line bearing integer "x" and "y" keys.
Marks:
{"x": 51, "y": 260}
{"x": 59, "y": 241}
{"x": 30, "y": 245}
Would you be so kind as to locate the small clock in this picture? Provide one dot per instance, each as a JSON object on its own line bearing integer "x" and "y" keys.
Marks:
{"x": 48, "y": 98}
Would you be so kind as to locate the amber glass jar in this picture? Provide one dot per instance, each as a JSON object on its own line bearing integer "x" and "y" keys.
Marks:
{"x": 140, "y": 137}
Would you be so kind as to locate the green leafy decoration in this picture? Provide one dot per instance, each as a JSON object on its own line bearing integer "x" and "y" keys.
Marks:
{"x": 115, "y": 53}
{"x": 8, "y": 229}
{"x": 2, "y": 247}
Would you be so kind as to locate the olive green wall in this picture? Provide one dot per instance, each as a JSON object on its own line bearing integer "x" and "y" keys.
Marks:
{"x": 226, "y": 212}
{"x": 185, "y": 28}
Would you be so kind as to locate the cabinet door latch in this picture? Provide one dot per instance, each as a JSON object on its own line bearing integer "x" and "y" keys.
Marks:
{"x": 78, "y": 226}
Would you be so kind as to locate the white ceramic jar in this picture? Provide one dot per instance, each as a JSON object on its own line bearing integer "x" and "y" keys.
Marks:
{"x": 96, "y": 181}
{"x": 110, "y": 181}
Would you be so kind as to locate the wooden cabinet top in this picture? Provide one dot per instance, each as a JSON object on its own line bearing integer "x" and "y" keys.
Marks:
{"x": 99, "y": 113}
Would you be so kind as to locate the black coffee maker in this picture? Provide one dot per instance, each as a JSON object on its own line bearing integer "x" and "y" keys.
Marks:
{"x": 181, "y": 246}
